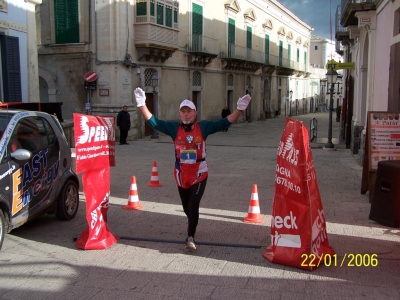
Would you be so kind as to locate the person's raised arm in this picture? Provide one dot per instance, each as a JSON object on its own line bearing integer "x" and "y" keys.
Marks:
{"x": 241, "y": 106}
{"x": 140, "y": 97}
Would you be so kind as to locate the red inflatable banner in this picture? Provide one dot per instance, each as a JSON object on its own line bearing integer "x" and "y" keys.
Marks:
{"x": 95, "y": 153}
{"x": 298, "y": 226}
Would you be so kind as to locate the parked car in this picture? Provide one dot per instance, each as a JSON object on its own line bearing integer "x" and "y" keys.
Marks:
{"x": 35, "y": 170}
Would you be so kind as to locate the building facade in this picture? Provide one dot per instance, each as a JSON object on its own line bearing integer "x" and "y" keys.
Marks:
{"x": 368, "y": 34}
{"x": 211, "y": 52}
{"x": 18, "y": 46}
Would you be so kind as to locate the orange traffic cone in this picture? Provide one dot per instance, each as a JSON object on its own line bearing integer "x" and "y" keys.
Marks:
{"x": 253, "y": 215}
{"x": 154, "y": 177}
{"x": 133, "y": 200}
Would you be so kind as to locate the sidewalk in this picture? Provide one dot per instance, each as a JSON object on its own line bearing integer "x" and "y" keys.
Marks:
{"x": 41, "y": 261}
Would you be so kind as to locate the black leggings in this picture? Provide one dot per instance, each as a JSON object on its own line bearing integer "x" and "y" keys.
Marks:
{"x": 190, "y": 198}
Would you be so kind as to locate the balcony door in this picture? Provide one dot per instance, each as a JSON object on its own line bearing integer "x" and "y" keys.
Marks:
{"x": 197, "y": 27}
{"x": 231, "y": 38}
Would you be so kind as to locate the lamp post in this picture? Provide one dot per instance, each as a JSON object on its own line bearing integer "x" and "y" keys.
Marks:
{"x": 331, "y": 77}
{"x": 290, "y": 103}
{"x": 250, "y": 90}
{"x": 154, "y": 84}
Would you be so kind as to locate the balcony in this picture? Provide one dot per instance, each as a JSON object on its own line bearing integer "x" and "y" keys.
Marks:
{"x": 242, "y": 58}
{"x": 202, "y": 50}
{"x": 349, "y": 9}
{"x": 341, "y": 33}
{"x": 156, "y": 31}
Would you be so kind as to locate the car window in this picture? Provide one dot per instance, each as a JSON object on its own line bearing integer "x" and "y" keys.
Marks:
{"x": 29, "y": 134}
{"x": 51, "y": 136}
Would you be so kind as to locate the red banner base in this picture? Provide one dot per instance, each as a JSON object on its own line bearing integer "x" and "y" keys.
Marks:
{"x": 104, "y": 242}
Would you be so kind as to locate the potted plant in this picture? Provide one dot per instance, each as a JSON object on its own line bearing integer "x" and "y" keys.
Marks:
{"x": 338, "y": 112}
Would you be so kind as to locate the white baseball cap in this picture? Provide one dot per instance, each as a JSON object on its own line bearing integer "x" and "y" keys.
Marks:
{"x": 187, "y": 103}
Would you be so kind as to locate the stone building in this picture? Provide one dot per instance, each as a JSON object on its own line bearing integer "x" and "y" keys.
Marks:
{"x": 211, "y": 52}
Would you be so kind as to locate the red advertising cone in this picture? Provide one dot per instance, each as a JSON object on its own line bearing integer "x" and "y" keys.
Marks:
{"x": 254, "y": 215}
{"x": 133, "y": 200}
{"x": 154, "y": 177}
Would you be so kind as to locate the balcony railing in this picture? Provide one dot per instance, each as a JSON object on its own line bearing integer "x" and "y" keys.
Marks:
{"x": 201, "y": 44}
{"x": 245, "y": 54}
{"x": 346, "y": 3}
{"x": 338, "y": 17}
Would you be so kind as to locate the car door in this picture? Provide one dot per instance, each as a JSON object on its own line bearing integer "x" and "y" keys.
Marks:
{"x": 32, "y": 179}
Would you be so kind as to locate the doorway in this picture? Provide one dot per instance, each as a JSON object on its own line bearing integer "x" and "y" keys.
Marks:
{"x": 149, "y": 103}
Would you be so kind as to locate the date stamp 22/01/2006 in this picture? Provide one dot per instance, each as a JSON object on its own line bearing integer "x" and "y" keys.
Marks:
{"x": 333, "y": 260}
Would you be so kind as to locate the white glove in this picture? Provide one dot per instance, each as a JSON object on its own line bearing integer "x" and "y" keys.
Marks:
{"x": 243, "y": 102}
{"x": 140, "y": 97}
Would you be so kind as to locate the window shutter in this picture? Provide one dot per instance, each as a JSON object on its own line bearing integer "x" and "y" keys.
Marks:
{"x": 266, "y": 49}
{"x": 168, "y": 16}
{"x": 249, "y": 37}
{"x": 298, "y": 55}
{"x": 289, "y": 54}
{"x": 197, "y": 25}
{"x": 280, "y": 53}
{"x": 160, "y": 14}
{"x": 231, "y": 38}
{"x": 11, "y": 68}
{"x": 141, "y": 8}
{"x": 66, "y": 21}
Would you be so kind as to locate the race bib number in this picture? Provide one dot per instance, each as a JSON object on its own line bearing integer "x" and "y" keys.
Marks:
{"x": 188, "y": 156}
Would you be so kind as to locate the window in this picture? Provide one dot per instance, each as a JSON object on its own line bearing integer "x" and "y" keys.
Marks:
{"x": 231, "y": 38}
{"x": 315, "y": 47}
{"x": 66, "y": 18}
{"x": 196, "y": 78}
{"x": 197, "y": 27}
{"x": 141, "y": 7}
{"x": 249, "y": 37}
{"x": 147, "y": 76}
{"x": 152, "y": 8}
{"x": 29, "y": 134}
{"x": 266, "y": 49}
{"x": 10, "y": 68}
{"x": 160, "y": 13}
{"x": 168, "y": 16}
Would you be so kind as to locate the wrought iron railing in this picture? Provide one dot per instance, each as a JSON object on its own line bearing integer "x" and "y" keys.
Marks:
{"x": 346, "y": 3}
{"x": 202, "y": 44}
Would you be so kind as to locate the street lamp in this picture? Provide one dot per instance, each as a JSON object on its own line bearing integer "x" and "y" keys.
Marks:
{"x": 290, "y": 103}
{"x": 154, "y": 84}
{"x": 249, "y": 90}
{"x": 331, "y": 77}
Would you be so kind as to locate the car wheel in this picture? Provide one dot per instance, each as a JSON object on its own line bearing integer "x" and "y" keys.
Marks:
{"x": 68, "y": 201}
{"x": 2, "y": 228}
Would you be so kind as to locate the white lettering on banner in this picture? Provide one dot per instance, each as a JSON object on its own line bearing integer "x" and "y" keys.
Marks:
{"x": 8, "y": 172}
{"x": 318, "y": 232}
{"x": 288, "y": 151}
{"x": 99, "y": 133}
{"x": 286, "y": 240}
{"x": 283, "y": 171}
{"x": 288, "y": 222}
{"x": 97, "y": 211}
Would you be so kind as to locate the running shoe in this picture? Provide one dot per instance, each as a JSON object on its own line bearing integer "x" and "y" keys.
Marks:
{"x": 190, "y": 243}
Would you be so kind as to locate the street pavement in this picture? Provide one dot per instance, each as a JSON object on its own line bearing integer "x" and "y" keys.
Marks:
{"x": 40, "y": 260}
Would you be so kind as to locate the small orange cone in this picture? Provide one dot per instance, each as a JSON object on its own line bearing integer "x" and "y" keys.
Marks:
{"x": 133, "y": 200}
{"x": 254, "y": 215}
{"x": 154, "y": 177}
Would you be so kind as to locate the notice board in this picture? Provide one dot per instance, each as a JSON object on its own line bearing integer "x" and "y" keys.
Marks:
{"x": 382, "y": 143}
